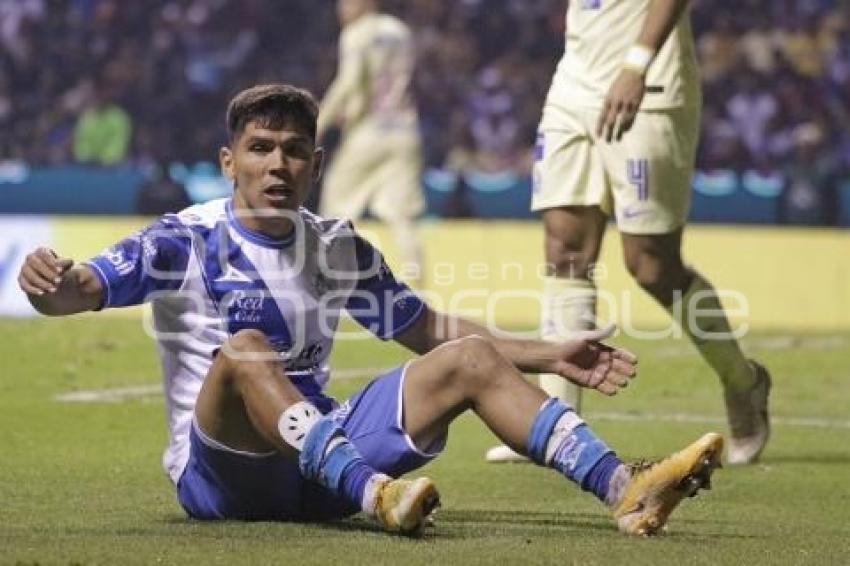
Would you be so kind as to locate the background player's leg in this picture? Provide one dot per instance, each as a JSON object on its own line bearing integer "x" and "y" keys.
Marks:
{"x": 398, "y": 199}
{"x": 347, "y": 184}
{"x": 655, "y": 262}
{"x": 572, "y": 240}
{"x": 404, "y": 232}
{"x": 573, "y": 237}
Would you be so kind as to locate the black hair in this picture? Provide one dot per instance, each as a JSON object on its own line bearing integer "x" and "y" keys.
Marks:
{"x": 272, "y": 106}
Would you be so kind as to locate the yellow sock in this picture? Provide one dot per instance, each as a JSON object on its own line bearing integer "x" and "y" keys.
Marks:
{"x": 712, "y": 335}
{"x": 569, "y": 306}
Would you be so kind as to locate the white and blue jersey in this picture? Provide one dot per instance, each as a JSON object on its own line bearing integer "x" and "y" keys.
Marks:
{"x": 209, "y": 276}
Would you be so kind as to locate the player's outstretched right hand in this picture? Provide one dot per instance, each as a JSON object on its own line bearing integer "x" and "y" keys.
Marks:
{"x": 42, "y": 271}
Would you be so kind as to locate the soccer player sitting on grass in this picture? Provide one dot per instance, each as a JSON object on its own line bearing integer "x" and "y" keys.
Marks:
{"x": 246, "y": 295}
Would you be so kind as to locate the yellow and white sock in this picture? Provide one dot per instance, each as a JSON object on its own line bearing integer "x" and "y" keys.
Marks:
{"x": 712, "y": 335}
{"x": 569, "y": 306}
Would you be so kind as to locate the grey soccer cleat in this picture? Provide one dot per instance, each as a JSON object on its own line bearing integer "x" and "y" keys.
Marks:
{"x": 749, "y": 421}
{"x": 504, "y": 454}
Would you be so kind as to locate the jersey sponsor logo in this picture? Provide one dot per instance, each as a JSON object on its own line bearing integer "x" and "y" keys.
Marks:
{"x": 116, "y": 257}
{"x": 247, "y": 308}
{"x": 149, "y": 248}
{"x": 637, "y": 172}
{"x": 238, "y": 290}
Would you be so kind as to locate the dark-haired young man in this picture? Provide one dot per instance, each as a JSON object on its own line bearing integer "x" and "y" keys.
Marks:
{"x": 247, "y": 292}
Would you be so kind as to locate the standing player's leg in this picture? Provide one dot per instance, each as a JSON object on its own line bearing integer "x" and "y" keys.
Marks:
{"x": 247, "y": 404}
{"x": 570, "y": 188}
{"x": 346, "y": 183}
{"x": 650, "y": 172}
{"x": 398, "y": 199}
{"x": 573, "y": 238}
{"x": 655, "y": 262}
{"x": 471, "y": 374}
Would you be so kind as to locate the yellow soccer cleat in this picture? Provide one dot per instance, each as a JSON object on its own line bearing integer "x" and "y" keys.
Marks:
{"x": 405, "y": 506}
{"x": 656, "y": 489}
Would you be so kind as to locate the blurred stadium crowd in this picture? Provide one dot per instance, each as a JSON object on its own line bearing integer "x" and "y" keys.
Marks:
{"x": 110, "y": 82}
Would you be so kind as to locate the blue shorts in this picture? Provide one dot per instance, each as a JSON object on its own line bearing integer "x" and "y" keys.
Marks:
{"x": 222, "y": 483}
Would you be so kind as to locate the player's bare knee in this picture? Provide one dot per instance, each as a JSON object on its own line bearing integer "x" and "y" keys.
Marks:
{"x": 571, "y": 257}
{"x": 242, "y": 351}
{"x": 246, "y": 342}
{"x": 474, "y": 361}
{"x": 654, "y": 277}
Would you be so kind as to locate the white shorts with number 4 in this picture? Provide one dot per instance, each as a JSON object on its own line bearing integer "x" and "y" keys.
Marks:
{"x": 644, "y": 179}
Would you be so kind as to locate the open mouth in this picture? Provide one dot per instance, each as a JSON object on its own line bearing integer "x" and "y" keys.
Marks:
{"x": 278, "y": 193}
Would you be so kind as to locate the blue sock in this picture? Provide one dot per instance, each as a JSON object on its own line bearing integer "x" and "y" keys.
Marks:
{"x": 342, "y": 469}
{"x": 354, "y": 476}
{"x": 559, "y": 439}
{"x": 599, "y": 479}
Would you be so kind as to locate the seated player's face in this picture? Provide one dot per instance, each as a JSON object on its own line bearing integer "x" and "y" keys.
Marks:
{"x": 272, "y": 168}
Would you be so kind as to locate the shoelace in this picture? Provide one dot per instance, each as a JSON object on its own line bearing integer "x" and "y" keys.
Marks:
{"x": 640, "y": 465}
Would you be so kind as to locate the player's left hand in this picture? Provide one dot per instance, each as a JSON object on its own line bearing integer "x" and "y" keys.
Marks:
{"x": 590, "y": 363}
{"x": 621, "y": 105}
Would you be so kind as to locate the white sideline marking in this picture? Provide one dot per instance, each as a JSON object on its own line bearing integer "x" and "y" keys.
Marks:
{"x": 780, "y": 342}
{"x": 710, "y": 419}
{"x": 109, "y": 395}
{"x": 117, "y": 394}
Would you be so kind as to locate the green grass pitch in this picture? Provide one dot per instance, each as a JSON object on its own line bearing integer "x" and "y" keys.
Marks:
{"x": 82, "y": 483}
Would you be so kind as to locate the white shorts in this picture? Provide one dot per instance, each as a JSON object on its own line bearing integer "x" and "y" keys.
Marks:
{"x": 375, "y": 169}
{"x": 644, "y": 179}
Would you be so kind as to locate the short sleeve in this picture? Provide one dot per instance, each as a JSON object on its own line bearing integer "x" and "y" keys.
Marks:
{"x": 153, "y": 259}
{"x": 379, "y": 302}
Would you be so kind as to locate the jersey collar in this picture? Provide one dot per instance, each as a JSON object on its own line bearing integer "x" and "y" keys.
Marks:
{"x": 256, "y": 237}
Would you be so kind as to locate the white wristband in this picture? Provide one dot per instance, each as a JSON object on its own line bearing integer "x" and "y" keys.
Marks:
{"x": 638, "y": 58}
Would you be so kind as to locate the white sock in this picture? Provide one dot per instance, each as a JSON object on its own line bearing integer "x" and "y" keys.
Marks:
{"x": 619, "y": 480}
{"x": 569, "y": 306}
{"x": 563, "y": 428}
{"x": 371, "y": 492}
